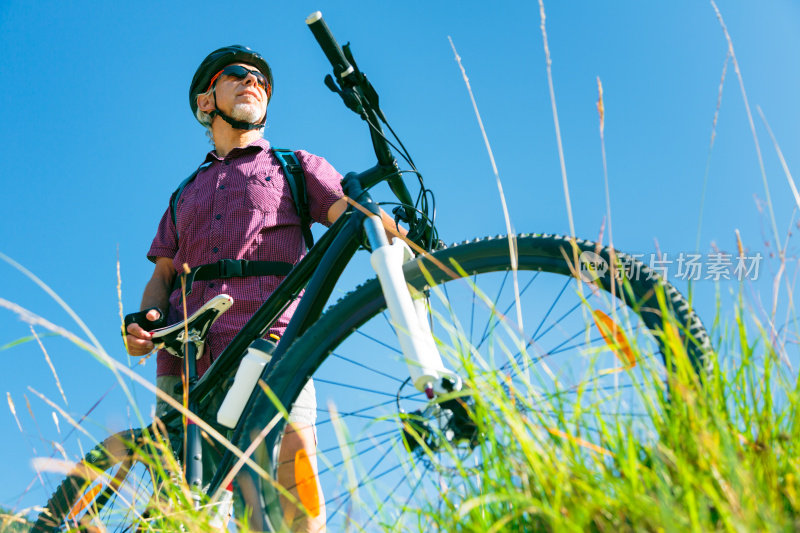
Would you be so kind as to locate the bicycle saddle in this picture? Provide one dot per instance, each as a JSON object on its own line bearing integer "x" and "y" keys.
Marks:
{"x": 173, "y": 336}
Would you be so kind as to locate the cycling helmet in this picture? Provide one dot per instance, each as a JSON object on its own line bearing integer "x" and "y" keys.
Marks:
{"x": 216, "y": 61}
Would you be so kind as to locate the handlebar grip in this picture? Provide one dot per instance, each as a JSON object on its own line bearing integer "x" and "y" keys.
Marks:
{"x": 141, "y": 319}
{"x": 341, "y": 67}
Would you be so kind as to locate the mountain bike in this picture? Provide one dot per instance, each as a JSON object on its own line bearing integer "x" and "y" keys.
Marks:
{"x": 400, "y": 363}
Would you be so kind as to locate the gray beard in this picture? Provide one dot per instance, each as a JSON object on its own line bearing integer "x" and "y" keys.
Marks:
{"x": 247, "y": 113}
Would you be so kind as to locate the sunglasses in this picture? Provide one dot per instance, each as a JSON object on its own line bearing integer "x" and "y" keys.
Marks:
{"x": 239, "y": 72}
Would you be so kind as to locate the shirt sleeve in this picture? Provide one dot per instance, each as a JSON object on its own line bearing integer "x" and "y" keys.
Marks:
{"x": 323, "y": 185}
{"x": 165, "y": 243}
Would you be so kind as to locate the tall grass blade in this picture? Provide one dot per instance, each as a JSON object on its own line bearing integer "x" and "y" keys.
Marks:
{"x": 13, "y": 410}
{"x": 512, "y": 245}
{"x": 549, "y": 63}
{"x": 708, "y": 158}
{"x": 751, "y": 123}
{"x": 50, "y": 364}
{"x": 601, "y": 111}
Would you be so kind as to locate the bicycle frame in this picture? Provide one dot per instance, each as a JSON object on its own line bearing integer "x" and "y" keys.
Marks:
{"x": 317, "y": 273}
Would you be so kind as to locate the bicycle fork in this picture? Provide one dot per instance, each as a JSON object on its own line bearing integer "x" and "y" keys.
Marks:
{"x": 409, "y": 314}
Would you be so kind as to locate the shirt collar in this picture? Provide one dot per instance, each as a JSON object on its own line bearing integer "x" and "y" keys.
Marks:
{"x": 258, "y": 145}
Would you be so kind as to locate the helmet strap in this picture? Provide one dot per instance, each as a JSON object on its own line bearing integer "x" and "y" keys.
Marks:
{"x": 237, "y": 124}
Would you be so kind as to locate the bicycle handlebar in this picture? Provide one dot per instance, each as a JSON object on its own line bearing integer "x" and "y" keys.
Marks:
{"x": 359, "y": 95}
{"x": 356, "y": 91}
{"x": 341, "y": 66}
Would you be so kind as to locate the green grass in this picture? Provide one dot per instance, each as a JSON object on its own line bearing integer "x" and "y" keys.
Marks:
{"x": 719, "y": 454}
{"x": 716, "y": 453}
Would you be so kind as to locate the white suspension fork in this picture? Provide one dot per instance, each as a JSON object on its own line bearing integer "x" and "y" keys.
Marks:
{"x": 409, "y": 315}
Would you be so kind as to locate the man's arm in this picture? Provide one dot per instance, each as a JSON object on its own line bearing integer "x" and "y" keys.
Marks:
{"x": 336, "y": 210}
{"x": 156, "y": 294}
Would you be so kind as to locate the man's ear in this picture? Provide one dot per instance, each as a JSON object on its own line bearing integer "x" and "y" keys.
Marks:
{"x": 205, "y": 102}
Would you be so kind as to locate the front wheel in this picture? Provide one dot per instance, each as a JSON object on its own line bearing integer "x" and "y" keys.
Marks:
{"x": 590, "y": 337}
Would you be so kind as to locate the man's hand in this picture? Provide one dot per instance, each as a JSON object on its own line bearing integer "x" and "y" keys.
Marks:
{"x": 138, "y": 340}
{"x": 155, "y": 298}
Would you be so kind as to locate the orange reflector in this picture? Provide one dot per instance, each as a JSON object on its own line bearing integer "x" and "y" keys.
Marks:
{"x": 86, "y": 499}
{"x": 306, "y": 481}
{"x": 615, "y": 338}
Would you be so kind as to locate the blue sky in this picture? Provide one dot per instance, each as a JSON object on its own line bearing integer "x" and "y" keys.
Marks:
{"x": 97, "y": 132}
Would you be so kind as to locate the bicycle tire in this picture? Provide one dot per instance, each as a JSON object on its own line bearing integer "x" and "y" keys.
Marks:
{"x": 105, "y": 491}
{"x": 320, "y": 346}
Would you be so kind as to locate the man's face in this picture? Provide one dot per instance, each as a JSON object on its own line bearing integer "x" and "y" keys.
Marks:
{"x": 242, "y": 99}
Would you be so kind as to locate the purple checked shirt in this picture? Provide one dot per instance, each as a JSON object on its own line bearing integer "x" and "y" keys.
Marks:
{"x": 240, "y": 207}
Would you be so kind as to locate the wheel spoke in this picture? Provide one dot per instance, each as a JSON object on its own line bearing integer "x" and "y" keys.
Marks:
{"x": 521, "y": 293}
{"x": 371, "y": 369}
{"x": 356, "y": 387}
{"x": 550, "y": 309}
{"x": 391, "y": 494}
{"x": 343, "y": 461}
{"x": 348, "y": 494}
{"x": 360, "y": 411}
{"x": 492, "y": 316}
{"x": 554, "y": 324}
{"x": 385, "y": 345}
{"x": 472, "y": 310}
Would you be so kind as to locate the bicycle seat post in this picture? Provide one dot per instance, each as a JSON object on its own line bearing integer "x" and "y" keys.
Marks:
{"x": 185, "y": 339}
{"x": 193, "y": 458}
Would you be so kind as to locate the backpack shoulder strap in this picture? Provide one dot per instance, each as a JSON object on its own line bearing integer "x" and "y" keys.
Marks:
{"x": 295, "y": 178}
{"x": 173, "y": 200}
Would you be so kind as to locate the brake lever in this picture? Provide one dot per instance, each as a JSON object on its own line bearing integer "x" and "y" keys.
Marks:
{"x": 331, "y": 84}
{"x": 372, "y": 97}
{"x": 348, "y": 96}
{"x": 367, "y": 90}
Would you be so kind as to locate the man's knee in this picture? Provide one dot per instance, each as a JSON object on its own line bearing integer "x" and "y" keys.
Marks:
{"x": 167, "y": 384}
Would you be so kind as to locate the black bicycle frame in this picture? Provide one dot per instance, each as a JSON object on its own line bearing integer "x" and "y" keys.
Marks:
{"x": 317, "y": 272}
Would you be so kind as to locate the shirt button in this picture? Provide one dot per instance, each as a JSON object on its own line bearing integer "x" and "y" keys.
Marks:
{"x": 210, "y": 285}
{"x": 218, "y": 217}
{"x": 221, "y": 187}
{"x": 227, "y": 163}
{"x": 268, "y": 178}
{"x": 215, "y": 250}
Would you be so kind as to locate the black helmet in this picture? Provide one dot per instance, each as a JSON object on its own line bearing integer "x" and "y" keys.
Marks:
{"x": 219, "y": 59}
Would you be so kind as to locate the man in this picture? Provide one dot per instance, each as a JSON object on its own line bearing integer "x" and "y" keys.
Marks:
{"x": 239, "y": 207}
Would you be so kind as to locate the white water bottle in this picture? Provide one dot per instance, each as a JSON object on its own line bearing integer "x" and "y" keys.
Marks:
{"x": 258, "y": 355}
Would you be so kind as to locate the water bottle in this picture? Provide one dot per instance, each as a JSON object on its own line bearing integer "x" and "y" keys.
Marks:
{"x": 258, "y": 355}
